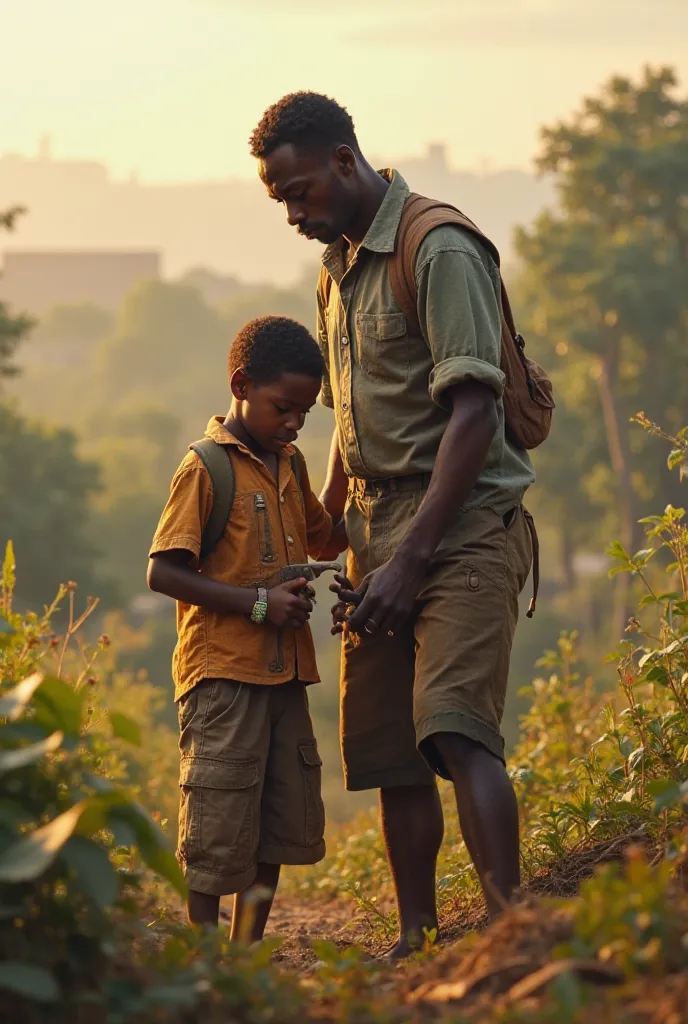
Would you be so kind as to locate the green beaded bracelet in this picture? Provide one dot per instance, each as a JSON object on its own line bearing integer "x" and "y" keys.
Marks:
{"x": 259, "y": 612}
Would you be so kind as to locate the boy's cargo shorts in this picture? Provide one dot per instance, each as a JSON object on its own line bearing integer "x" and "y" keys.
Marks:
{"x": 250, "y": 783}
{"x": 446, "y": 670}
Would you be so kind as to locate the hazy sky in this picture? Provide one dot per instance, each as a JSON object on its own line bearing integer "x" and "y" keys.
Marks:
{"x": 173, "y": 88}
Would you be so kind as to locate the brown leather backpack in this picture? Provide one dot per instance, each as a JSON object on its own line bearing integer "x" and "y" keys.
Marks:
{"x": 527, "y": 397}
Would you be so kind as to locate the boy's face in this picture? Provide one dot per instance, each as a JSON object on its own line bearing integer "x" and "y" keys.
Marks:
{"x": 274, "y": 413}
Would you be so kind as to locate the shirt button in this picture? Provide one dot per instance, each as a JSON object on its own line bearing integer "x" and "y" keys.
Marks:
{"x": 281, "y": 499}
{"x": 345, "y": 406}
{"x": 290, "y": 539}
{"x": 345, "y": 340}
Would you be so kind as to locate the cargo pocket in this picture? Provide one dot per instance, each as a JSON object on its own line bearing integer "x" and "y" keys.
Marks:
{"x": 218, "y": 815}
{"x": 311, "y": 766}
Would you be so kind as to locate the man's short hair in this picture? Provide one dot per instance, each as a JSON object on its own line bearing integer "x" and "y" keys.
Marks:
{"x": 307, "y": 121}
{"x": 270, "y": 346}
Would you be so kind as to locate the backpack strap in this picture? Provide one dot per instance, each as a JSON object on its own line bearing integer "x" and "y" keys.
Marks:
{"x": 218, "y": 461}
{"x": 420, "y": 216}
{"x": 296, "y": 461}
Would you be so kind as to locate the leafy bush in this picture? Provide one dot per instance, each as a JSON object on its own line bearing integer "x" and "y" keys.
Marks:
{"x": 65, "y": 830}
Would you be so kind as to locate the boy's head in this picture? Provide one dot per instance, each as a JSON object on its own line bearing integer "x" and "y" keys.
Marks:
{"x": 275, "y": 375}
{"x": 309, "y": 158}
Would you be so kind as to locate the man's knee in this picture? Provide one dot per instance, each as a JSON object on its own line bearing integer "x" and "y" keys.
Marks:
{"x": 405, "y": 796}
{"x": 457, "y": 753}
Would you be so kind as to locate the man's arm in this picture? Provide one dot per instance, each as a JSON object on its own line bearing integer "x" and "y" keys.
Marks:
{"x": 459, "y": 313}
{"x": 171, "y": 573}
{"x": 389, "y": 598}
{"x": 336, "y": 487}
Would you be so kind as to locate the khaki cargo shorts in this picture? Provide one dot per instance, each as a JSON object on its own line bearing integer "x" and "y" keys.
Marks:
{"x": 447, "y": 669}
{"x": 250, "y": 783}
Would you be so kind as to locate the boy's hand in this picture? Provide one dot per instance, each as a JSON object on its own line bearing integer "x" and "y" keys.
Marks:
{"x": 286, "y": 607}
{"x": 344, "y": 590}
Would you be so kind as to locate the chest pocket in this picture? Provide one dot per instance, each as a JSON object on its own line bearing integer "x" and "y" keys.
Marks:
{"x": 383, "y": 347}
{"x": 252, "y": 537}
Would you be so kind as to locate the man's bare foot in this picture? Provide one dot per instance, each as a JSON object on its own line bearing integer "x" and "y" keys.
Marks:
{"x": 407, "y": 946}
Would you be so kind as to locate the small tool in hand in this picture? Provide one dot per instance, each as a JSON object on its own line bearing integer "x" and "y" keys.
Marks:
{"x": 305, "y": 570}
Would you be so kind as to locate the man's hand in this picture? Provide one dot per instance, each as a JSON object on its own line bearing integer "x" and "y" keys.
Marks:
{"x": 347, "y": 596}
{"x": 287, "y": 609}
{"x": 384, "y": 600}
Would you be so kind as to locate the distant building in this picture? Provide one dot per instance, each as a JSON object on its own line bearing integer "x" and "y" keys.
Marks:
{"x": 35, "y": 280}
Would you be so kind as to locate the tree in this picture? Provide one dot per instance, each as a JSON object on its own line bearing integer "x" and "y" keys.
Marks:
{"x": 12, "y": 328}
{"x": 604, "y": 286}
{"x": 45, "y": 489}
{"x": 45, "y": 495}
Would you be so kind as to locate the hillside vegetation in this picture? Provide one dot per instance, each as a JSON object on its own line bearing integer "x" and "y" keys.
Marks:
{"x": 90, "y": 924}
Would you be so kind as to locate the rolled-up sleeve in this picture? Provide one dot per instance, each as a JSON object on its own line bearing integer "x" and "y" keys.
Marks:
{"x": 460, "y": 318}
{"x": 326, "y": 397}
{"x": 187, "y": 510}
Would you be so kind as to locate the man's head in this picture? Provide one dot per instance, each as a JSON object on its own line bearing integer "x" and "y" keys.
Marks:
{"x": 275, "y": 374}
{"x": 309, "y": 160}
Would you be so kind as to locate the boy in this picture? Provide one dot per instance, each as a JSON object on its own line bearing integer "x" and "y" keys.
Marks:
{"x": 250, "y": 769}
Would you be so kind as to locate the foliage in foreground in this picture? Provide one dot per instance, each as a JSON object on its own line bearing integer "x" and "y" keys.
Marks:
{"x": 88, "y": 932}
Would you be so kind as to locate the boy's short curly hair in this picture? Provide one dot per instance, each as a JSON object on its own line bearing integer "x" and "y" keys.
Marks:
{"x": 307, "y": 120}
{"x": 269, "y": 346}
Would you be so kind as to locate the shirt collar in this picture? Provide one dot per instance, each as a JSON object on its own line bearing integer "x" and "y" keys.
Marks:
{"x": 218, "y": 431}
{"x": 382, "y": 233}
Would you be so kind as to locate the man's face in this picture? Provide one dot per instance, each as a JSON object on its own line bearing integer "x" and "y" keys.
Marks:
{"x": 318, "y": 190}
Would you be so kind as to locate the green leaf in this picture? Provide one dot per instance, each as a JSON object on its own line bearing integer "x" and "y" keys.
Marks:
{"x": 124, "y": 728}
{"x": 34, "y": 853}
{"x": 29, "y": 980}
{"x": 12, "y": 759}
{"x": 59, "y": 706}
{"x": 94, "y": 873}
{"x": 14, "y": 702}
{"x": 658, "y": 675}
{"x": 7, "y": 633}
{"x": 675, "y": 458}
{"x": 667, "y": 793}
{"x": 9, "y": 569}
{"x": 151, "y": 842}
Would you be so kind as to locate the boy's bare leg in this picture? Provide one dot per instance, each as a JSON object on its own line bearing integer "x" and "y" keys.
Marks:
{"x": 251, "y": 908}
{"x": 202, "y": 908}
{"x": 488, "y": 815}
{"x": 412, "y": 826}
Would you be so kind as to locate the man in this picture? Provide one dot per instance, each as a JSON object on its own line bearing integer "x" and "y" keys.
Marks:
{"x": 431, "y": 488}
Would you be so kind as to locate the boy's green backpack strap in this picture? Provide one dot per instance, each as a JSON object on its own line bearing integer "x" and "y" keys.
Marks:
{"x": 217, "y": 460}
{"x": 296, "y": 464}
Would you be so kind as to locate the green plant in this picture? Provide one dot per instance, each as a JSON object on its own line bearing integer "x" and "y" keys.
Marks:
{"x": 65, "y": 830}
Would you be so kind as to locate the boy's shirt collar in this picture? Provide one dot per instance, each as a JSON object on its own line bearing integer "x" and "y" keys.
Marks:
{"x": 218, "y": 431}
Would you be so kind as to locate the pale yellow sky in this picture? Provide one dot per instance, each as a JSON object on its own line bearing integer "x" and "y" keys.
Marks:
{"x": 172, "y": 88}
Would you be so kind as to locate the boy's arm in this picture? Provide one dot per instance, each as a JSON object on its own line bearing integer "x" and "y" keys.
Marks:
{"x": 171, "y": 573}
{"x": 173, "y": 557}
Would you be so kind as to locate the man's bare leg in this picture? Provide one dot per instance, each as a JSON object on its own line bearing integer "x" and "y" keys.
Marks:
{"x": 202, "y": 908}
{"x": 412, "y": 826}
{"x": 252, "y": 908}
{"x": 488, "y": 815}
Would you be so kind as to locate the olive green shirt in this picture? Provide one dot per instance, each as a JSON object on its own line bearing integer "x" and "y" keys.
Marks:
{"x": 388, "y": 386}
